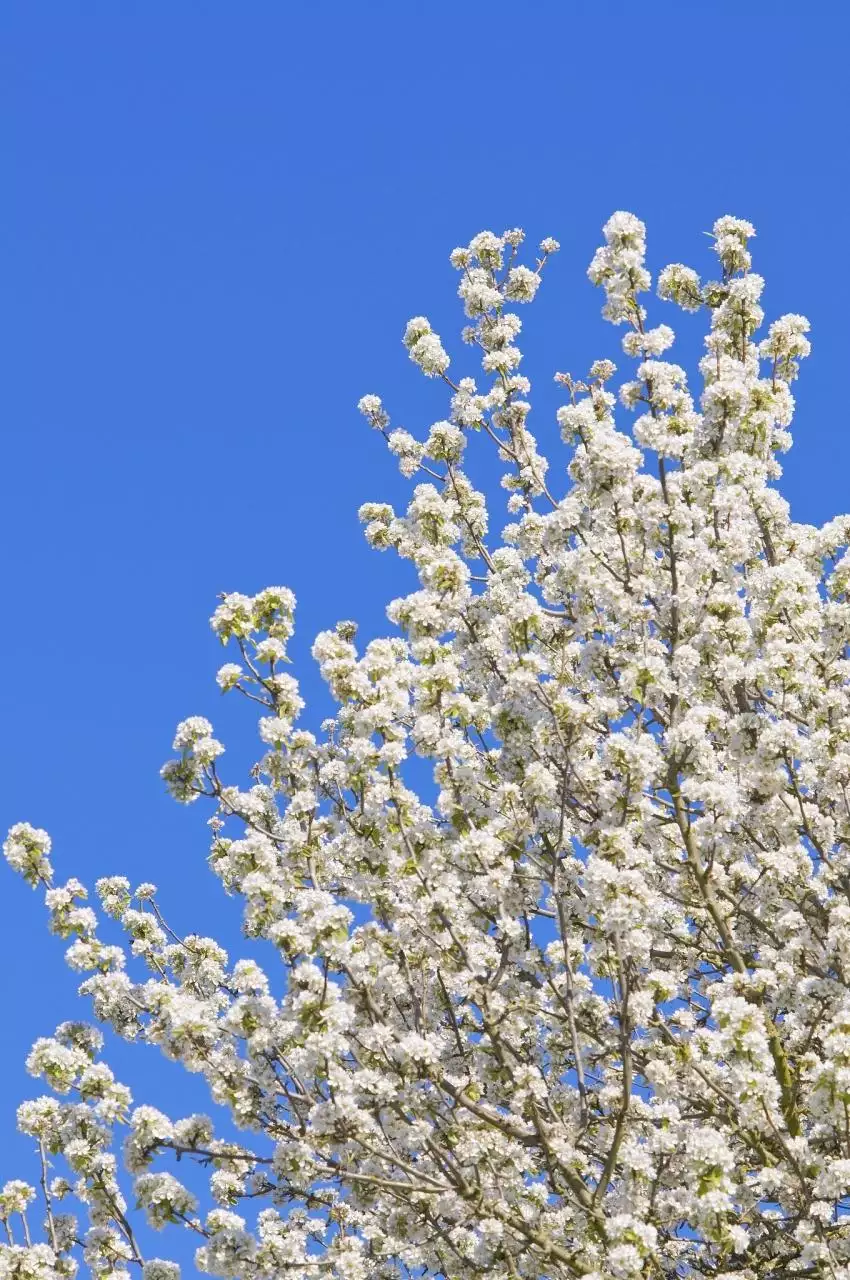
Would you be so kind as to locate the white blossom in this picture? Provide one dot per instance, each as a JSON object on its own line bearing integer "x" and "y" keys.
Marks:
{"x": 553, "y": 906}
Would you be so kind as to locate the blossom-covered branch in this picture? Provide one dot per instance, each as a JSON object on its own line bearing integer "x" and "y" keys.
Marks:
{"x": 583, "y": 1009}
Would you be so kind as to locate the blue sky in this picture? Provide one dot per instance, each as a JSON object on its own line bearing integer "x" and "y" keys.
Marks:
{"x": 216, "y": 219}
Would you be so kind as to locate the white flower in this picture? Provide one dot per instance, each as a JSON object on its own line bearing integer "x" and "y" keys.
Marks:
{"x": 229, "y": 674}
{"x": 164, "y": 1198}
{"x": 14, "y": 1198}
{"x": 680, "y": 284}
{"x": 371, "y": 408}
{"x": 191, "y": 731}
{"x": 156, "y": 1269}
{"x": 27, "y": 850}
{"x": 522, "y": 284}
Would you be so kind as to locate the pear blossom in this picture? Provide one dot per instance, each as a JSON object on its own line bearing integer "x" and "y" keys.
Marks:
{"x": 552, "y": 914}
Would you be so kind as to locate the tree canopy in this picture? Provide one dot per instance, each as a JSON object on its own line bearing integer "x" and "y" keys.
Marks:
{"x": 583, "y": 1008}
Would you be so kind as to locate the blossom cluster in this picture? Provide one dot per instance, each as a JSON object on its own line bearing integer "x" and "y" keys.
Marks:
{"x": 581, "y": 1009}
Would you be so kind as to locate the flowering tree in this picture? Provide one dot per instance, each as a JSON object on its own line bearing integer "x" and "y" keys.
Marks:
{"x": 585, "y": 1010}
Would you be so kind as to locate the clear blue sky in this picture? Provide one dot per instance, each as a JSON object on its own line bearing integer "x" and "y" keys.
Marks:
{"x": 216, "y": 219}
